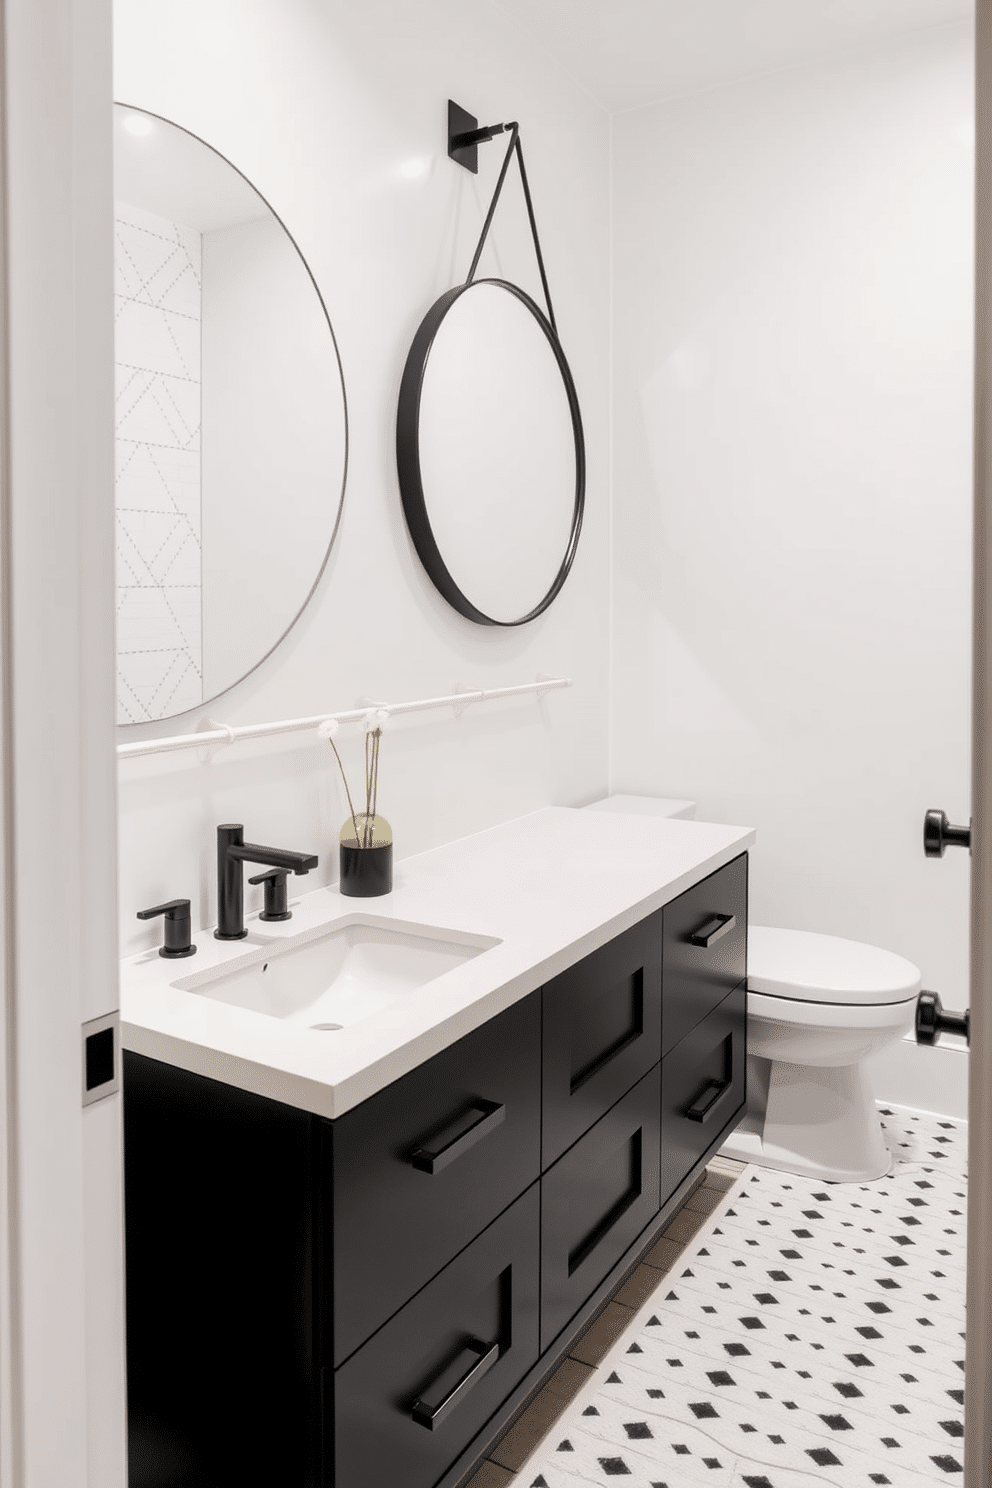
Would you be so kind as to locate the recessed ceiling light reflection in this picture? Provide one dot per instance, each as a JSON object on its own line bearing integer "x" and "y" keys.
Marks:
{"x": 411, "y": 169}
{"x": 138, "y": 124}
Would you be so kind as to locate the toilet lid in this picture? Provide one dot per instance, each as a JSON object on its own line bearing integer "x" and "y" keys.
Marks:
{"x": 822, "y": 968}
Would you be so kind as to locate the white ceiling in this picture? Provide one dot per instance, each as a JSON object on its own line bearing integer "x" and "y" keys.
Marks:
{"x": 175, "y": 175}
{"x": 629, "y": 53}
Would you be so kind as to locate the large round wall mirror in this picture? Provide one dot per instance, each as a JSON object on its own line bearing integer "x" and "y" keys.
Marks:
{"x": 231, "y": 423}
{"x": 490, "y": 453}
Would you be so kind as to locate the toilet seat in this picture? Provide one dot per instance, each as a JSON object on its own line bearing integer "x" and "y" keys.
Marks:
{"x": 806, "y": 967}
{"x": 829, "y": 1015}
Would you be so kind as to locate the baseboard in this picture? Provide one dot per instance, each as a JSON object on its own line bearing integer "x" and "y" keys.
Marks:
{"x": 935, "y": 1080}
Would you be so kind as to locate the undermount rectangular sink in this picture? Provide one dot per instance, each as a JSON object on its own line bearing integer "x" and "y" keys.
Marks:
{"x": 334, "y": 976}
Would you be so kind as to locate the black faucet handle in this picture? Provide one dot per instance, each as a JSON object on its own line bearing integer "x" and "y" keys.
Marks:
{"x": 276, "y": 904}
{"x": 232, "y": 852}
{"x": 177, "y": 927}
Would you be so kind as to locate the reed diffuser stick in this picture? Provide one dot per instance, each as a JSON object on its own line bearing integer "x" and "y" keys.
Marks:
{"x": 375, "y": 776}
{"x": 351, "y": 808}
{"x": 374, "y": 722}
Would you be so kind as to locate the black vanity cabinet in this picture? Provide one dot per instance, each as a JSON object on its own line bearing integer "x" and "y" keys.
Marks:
{"x": 410, "y": 1176}
{"x": 222, "y": 1377}
{"x": 702, "y": 1088}
{"x": 595, "y": 1202}
{"x": 363, "y": 1302}
{"x": 409, "y": 1402}
{"x": 602, "y": 1032}
{"x": 705, "y": 948}
{"x": 704, "y": 1029}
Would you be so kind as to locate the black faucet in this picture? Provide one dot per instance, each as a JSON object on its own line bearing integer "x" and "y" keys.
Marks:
{"x": 232, "y": 851}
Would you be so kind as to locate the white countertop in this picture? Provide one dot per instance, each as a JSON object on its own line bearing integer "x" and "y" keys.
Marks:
{"x": 551, "y": 886}
{"x": 646, "y": 806}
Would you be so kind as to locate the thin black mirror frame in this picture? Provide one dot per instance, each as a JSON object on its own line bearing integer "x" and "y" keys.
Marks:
{"x": 408, "y": 455}
{"x": 146, "y": 723}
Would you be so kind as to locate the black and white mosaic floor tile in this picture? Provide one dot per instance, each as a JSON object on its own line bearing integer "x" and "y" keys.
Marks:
{"x": 812, "y": 1334}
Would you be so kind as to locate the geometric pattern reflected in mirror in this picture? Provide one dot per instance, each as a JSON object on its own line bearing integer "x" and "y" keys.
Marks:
{"x": 232, "y": 429}
{"x": 157, "y": 329}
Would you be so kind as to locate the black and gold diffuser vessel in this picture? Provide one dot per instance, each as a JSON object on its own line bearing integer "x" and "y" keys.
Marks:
{"x": 365, "y": 846}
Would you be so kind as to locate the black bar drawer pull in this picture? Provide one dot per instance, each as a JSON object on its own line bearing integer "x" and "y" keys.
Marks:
{"x": 707, "y": 1100}
{"x": 483, "y": 1355}
{"x": 460, "y": 1137}
{"x": 712, "y": 930}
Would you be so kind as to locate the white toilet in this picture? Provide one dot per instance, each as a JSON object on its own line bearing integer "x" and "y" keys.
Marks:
{"x": 818, "y": 1008}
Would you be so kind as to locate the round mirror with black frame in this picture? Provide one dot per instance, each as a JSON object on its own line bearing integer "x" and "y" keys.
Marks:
{"x": 490, "y": 448}
{"x": 231, "y": 422}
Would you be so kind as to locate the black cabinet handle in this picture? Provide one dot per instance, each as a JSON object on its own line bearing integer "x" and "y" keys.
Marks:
{"x": 432, "y": 1415}
{"x": 712, "y": 930}
{"x": 436, "y": 1157}
{"x": 707, "y": 1100}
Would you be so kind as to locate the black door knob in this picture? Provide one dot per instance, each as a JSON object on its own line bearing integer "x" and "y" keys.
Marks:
{"x": 938, "y": 834}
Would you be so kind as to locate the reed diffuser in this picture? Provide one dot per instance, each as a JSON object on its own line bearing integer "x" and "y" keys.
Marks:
{"x": 365, "y": 843}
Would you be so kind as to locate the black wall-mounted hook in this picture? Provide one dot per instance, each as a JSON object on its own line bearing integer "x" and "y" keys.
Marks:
{"x": 465, "y": 136}
{"x": 177, "y": 928}
{"x": 463, "y": 146}
{"x": 938, "y": 834}
{"x": 932, "y": 1021}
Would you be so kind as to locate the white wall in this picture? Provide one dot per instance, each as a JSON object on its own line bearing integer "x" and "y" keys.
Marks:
{"x": 337, "y": 113}
{"x": 792, "y": 406}
{"x": 792, "y": 302}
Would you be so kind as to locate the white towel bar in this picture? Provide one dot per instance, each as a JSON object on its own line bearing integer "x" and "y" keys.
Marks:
{"x": 224, "y": 734}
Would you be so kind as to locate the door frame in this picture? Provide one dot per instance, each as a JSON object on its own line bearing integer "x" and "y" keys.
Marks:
{"x": 978, "y": 1346}
{"x": 62, "y": 1374}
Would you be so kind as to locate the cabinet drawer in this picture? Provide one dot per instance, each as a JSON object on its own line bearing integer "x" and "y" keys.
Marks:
{"x": 602, "y": 1032}
{"x": 596, "y": 1200}
{"x": 412, "y": 1399}
{"x": 702, "y": 1088}
{"x": 705, "y": 953}
{"x": 415, "y": 1173}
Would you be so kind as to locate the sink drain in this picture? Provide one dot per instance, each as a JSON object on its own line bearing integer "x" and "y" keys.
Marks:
{"x": 327, "y": 1027}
